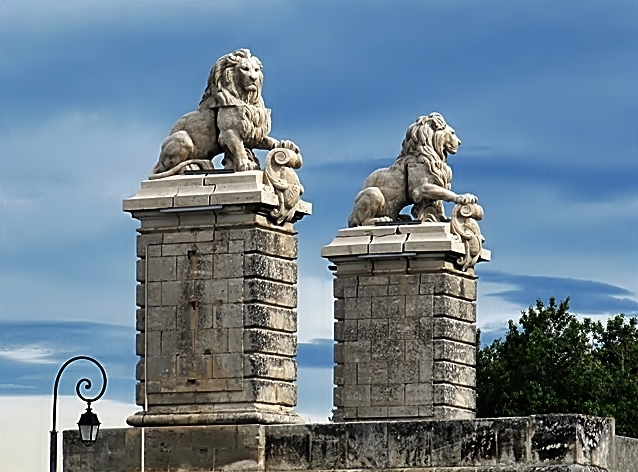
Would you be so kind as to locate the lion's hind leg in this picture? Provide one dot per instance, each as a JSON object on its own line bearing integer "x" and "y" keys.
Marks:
{"x": 369, "y": 207}
{"x": 176, "y": 155}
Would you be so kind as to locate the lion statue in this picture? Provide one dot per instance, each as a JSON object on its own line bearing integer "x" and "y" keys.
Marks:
{"x": 420, "y": 177}
{"x": 231, "y": 119}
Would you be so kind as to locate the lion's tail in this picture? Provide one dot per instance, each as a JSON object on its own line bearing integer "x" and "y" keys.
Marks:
{"x": 203, "y": 163}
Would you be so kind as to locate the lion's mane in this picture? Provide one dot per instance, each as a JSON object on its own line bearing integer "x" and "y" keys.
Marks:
{"x": 224, "y": 89}
{"x": 424, "y": 144}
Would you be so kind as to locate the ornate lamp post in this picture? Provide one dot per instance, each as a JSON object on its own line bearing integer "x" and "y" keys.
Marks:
{"x": 89, "y": 424}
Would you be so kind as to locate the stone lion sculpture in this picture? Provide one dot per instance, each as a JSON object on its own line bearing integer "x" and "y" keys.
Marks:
{"x": 420, "y": 177}
{"x": 231, "y": 119}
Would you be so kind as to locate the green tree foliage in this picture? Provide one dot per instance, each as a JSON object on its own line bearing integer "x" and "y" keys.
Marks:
{"x": 552, "y": 362}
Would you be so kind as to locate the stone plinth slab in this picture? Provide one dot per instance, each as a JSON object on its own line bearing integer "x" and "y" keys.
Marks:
{"x": 546, "y": 443}
{"x": 190, "y": 191}
{"x": 397, "y": 239}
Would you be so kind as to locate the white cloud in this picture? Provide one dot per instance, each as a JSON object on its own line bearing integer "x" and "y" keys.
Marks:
{"x": 26, "y": 422}
{"x": 29, "y": 354}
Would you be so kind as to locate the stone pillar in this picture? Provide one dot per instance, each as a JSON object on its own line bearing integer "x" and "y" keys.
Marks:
{"x": 217, "y": 300}
{"x": 405, "y": 324}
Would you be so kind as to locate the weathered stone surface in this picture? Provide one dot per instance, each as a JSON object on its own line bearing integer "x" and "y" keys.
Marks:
{"x": 217, "y": 295}
{"x": 626, "y": 454}
{"x": 485, "y": 445}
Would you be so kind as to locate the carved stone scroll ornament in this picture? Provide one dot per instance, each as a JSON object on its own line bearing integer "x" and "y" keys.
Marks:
{"x": 464, "y": 224}
{"x": 231, "y": 119}
{"x": 280, "y": 178}
{"x": 420, "y": 177}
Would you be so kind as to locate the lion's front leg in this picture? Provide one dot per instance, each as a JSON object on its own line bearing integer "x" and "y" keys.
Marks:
{"x": 232, "y": 142}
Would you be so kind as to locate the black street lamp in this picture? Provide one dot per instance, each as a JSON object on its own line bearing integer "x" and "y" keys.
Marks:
{"x": 89, "y": 425}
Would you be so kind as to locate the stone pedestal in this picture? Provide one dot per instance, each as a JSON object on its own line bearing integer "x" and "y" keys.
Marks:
{"x": 217, "y": 302}
{"x": 405, "y": 324}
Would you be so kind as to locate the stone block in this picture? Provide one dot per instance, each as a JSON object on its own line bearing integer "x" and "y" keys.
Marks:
{"x": 418, "y": 305}
{"x": 338, "y": 353}
{"x": 387, "y": 395}
{"x": 161, "y": 269}
{"x": 340, "y": 283}
{"x": 195, "y": 366}
{"x": 356, "y": 308}
{"x": 366, "y": 446}
{"x": 215, "y": 291}
{"x": 144, "y": 241}
{"x": 426, "y": 369}
{"x": 211, "y": 341}
{"x": 372, "y": 412}
{"x": 371, "y": 290}
{"x": 328, "y": 447}
{"x": 355, "y": 395}
{"x": 418, "y": 394}
{"x": 235, "y": 340}
{"x": 345, "y": 374}
{"x": 454, "y": 308}
{"x": 404, "y": 372}
{"x": 228, "y": 315}
{"x": 271, "y": 391}
{"x": 195, "y": 267}
{"x": 444, "y": 412}
{"x": 236, "y": 290}
{"x": 396, "y": 306}
{"x": 153, "y": 343}
{"x": 161, "y": 318}
{"x": 269, "y": 366}
{"x": 288, "y": 447}
{"x": 172, "y": 293}
{"x": 267, "y": 291}
{"x": 270, "y": 242}
{"x": 366, "y": 329}
{"x": 273, "y": 268}
{"x": 228, "y": 266}
{"x": 403, "y": 412}
{"x": 356, "y": 351}
{"x": 379, "y": 306}
{"x": 454, "y": 395}
{"x": 140, "y": 319}
{"x": 339, "y": 311}
{"x": 445, "y": 350}
{"x": 454, "y": 373}
{"x": 388, "y": 350}
{"x": 371, "y": 372}
{"x": 168, "y": 343}
{"x": 455, "y": 330}
{"x": 403, "y": 328}
{"x": 266, "y": 316}
{"x": 270, "y": 342}
{"x": 227, "y": 365}
{"x": 409, "y": 444}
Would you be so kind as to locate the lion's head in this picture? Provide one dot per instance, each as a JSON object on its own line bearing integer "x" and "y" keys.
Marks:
{"x": 430, "y": 136}
{"x": 235, "y": 79}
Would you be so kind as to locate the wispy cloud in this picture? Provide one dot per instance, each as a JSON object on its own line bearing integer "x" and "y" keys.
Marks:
{"x": 30, "y": 354}
{"x": 587, "y": 297}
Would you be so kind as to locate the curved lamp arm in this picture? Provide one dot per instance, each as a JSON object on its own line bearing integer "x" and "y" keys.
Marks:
{"x": 87, "y": 386}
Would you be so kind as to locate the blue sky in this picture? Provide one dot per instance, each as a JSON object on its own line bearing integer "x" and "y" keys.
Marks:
{"x": 542, "y": 93}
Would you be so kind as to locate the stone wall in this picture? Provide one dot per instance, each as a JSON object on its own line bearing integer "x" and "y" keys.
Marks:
{"x": 542, "y": 443}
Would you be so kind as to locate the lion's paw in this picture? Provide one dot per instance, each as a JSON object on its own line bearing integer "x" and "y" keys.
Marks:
{"x": 286, "y": 144}
{"x": 248, "y": 165}
{"x": 466, "y": 199}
